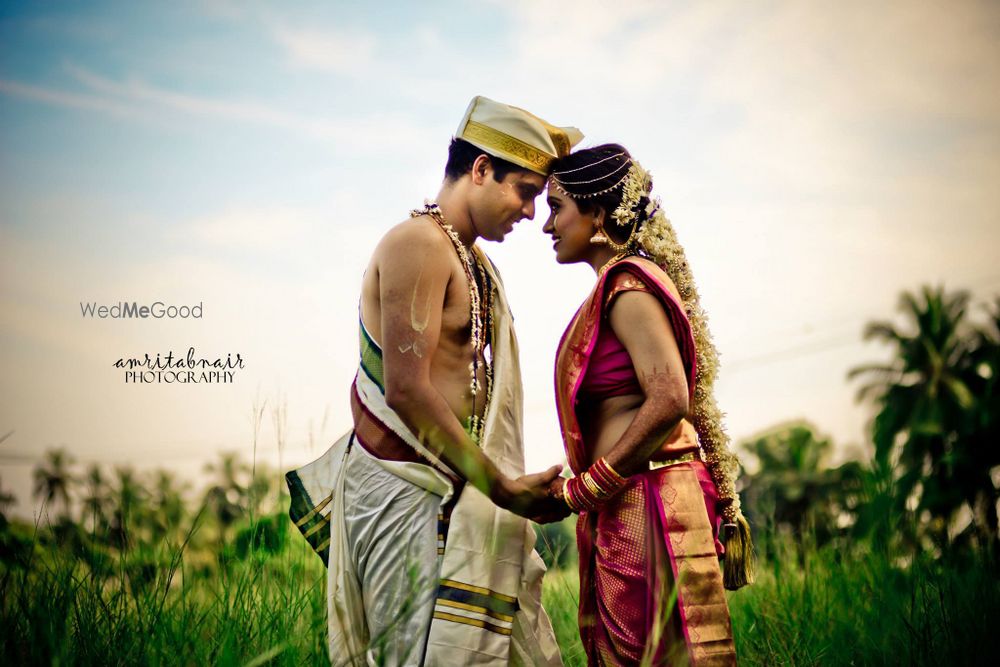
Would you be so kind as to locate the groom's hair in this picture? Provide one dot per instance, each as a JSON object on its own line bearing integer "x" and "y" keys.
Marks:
{"x": 461, "y": 155}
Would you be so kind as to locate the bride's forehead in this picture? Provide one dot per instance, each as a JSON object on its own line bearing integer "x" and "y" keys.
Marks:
{"x": 553, "y": 191}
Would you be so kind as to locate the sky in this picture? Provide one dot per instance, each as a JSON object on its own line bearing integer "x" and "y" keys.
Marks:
{"x": 816, "y": 159}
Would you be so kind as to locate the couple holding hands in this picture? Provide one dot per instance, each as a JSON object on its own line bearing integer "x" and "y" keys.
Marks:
{"x": 420, "y": 511}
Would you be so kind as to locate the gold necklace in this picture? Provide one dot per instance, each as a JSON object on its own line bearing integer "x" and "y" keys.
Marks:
{"x": 481, "y": 313}
{"x": 614, "y": 260}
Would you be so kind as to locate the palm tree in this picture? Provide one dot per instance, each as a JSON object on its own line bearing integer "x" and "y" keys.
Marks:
{"x": 6, "y": 500}
{"x": 227, "y": 497}
{"x": 259, "y": 491}
{"x": 128, "y": 505}
{"x": 95, "y": 499}
{"x": 980, "y": 452}
{"x": 924, "y": 400}
{"x": 794, "y": 488}
{"x": 168, "y": 504}
{"x": 53, "y": 479}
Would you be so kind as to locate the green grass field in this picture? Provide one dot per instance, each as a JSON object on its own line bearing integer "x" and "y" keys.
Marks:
{"x": 158, "y": 607}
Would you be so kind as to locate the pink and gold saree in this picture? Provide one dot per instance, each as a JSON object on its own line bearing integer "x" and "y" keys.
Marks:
{"x": 650, "y": 584}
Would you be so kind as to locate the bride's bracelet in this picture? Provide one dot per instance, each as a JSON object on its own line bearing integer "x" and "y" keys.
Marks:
{"x": 593, "y": 487}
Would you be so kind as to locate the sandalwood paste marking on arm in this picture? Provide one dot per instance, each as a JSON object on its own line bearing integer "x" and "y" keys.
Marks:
{"x": 416, "y": 323}
{"x": 417, "y": 347}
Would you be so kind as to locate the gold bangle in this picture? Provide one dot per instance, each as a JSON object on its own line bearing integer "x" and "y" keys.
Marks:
{"x": 603, "y": 478}
{"x": 565, "y": 495}
{"x": 607, "y": 466}
{"x": 593, "y": 486}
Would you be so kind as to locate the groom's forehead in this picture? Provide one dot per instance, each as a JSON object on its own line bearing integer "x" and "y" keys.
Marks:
{"x": 531, "y": 178}
{"x": 525, "y": 177}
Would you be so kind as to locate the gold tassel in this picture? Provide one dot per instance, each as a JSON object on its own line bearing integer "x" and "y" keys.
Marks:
{"x": 739, "y": 561}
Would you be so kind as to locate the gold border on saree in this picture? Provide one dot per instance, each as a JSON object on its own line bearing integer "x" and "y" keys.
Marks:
{"x": 683, "y": 458}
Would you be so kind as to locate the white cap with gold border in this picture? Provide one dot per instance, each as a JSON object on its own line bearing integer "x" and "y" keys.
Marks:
{"x": 515, "y": 135}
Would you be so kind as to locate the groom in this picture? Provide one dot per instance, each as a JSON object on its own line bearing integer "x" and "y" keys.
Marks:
{"x": 416, "y": 509}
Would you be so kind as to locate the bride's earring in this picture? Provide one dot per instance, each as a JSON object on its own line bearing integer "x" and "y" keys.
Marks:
{"x": 599, "y": 238}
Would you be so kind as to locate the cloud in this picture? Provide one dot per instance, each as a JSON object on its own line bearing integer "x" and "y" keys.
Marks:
{"x": 864, "y": 75}
{"x": 59, "y": 27}
{"x": 225, "y": 10}
{"x": 344, "y": 51}
{"x": 336, "y": 51}
{"x": 374, "y": 132}
{"x": 66, "y": 99}
{"x": 825, "y": 83}
{"x": 248, "y": 228}
{"x": 622, "y": 52}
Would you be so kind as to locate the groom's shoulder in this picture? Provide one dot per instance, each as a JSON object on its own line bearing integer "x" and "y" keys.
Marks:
{"x": 413, "y": 238}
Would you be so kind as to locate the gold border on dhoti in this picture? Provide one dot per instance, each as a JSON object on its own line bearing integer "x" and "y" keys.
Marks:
{"x": 475, "y": 622}
{"x": 477, "y": 589}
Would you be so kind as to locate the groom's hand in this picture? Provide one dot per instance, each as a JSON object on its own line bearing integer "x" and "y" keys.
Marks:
{"x": 561, "y": 509}
{"x": 531, "y": 497}
{"x": 541, "y": 479}
{"x": 552, "y": 507}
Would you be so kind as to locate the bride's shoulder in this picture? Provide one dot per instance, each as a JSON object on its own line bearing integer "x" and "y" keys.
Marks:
{"x": 653, "y": 270}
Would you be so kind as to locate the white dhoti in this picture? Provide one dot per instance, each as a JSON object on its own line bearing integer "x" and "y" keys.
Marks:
{"x": 391, "y": 530}
{"x": 399, "y": 591}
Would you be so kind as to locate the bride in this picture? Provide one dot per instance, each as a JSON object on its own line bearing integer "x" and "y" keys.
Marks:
{"x": 654, "y": 477}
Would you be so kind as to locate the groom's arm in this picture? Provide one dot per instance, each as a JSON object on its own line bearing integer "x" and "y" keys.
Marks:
{"x": 414, "y": 272}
